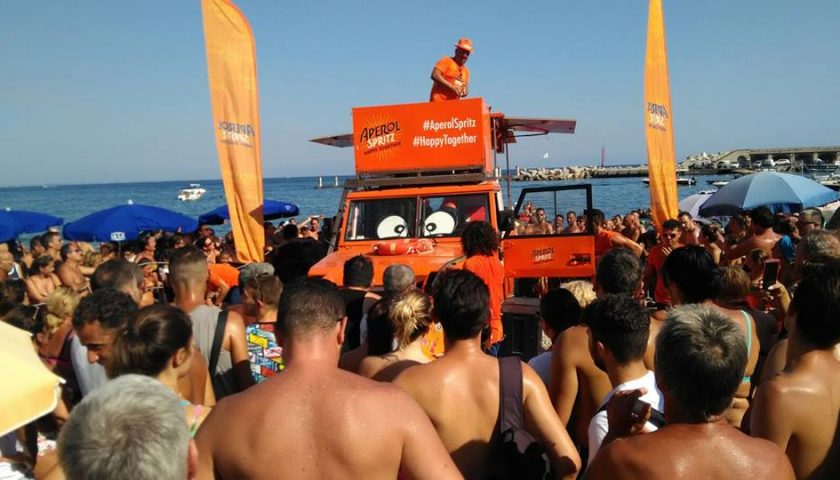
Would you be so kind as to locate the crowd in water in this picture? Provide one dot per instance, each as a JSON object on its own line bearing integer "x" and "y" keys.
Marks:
{"x": 698, "y": 350}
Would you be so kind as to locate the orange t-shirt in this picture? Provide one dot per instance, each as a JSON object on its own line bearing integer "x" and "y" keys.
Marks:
{"x": 224, "y": 272}
{"x": 490, "y": 270}
{"x": 656, "y": 259}
{"x": 602, "y": 241}
{"x": 451, "y": 72}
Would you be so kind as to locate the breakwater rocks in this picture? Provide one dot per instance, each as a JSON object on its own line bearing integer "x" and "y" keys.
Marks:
{"x": 577, "y": 173}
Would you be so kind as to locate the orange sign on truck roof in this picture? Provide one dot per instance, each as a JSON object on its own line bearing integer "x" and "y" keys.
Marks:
{"x": 415, "y": 137}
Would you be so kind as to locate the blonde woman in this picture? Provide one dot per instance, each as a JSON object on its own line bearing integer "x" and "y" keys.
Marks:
{"x": 410, "y": 317}
{"x": 58, "y": 326}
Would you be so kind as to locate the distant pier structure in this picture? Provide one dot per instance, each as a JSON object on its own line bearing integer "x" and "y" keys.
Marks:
{"x": 808, "y": 156}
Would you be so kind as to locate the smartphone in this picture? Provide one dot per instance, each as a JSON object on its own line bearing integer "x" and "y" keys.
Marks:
{"x": 771, "y": 273}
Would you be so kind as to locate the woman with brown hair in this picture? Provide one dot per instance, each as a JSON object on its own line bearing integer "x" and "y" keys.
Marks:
{"x": 158, "y": 343}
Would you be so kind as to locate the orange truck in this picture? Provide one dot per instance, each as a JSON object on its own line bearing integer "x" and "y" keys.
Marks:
{"x": 425, "y": 170}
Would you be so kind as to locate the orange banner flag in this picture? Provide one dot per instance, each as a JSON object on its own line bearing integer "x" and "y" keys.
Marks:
{"x": 662, "y": 169}
{"x": 232, "y": 68}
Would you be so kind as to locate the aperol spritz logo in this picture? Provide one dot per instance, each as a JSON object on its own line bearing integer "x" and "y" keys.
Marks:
{"x": 236, "y": 133}
{"x": 542, "y": 255}
{"x": 657, "y": 116}
{"x": 379, "y": 135}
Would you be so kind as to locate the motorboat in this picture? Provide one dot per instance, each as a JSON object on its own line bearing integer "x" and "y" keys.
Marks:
{"x": 720, "y": 183}
{"x": 680, "y": 181}
{"x": 193, "y": 192}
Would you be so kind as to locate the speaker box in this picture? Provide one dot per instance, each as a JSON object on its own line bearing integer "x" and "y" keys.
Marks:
{"x": 521, "y": 328}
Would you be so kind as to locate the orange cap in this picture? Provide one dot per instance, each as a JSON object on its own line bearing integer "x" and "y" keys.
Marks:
{"x": 464, "y": 44}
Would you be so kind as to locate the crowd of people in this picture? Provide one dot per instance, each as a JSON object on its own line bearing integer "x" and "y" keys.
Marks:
{"x": 696, "y": 351}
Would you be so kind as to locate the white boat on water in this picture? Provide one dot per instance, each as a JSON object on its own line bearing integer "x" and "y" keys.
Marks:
{"x": 680, "y": 181}
{"x": 193, "y": 192}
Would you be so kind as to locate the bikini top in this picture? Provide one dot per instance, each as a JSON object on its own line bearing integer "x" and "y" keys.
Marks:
{"x": 194, "y": 422}
{"x": 748, "y": 319}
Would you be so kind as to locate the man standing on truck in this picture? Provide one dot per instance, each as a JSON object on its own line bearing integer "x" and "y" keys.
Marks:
{"x": 450, "y": 77}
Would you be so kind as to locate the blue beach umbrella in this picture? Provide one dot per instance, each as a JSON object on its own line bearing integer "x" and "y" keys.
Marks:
{"x": 781, "y": 192}
{"x": 15, "y": 222}
{"x": 126, "y": 222}
{"x": 31, "y": 222}
{"x": 271, "y": 209}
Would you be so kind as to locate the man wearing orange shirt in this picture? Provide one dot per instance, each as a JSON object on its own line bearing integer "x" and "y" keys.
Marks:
{"x": 224, "y": 280}
{"x": 450, "y": 76}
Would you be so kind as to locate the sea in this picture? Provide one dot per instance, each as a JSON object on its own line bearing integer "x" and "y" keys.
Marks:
{"x": 71, "y": 202}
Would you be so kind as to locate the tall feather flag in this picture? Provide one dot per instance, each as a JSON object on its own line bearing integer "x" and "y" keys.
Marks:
{"x": 659, "y": 132}
{"x": 232, "y": 69}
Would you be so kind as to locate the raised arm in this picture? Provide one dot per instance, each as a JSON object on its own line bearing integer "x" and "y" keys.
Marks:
{"x": 622, "y": 241}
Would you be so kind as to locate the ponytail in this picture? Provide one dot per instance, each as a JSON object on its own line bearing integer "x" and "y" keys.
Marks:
{"x": 152, "y": 337}
{"x": 410, "y": 317}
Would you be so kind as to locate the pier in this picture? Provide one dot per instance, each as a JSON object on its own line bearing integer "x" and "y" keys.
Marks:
{"x": 808, "y": 157}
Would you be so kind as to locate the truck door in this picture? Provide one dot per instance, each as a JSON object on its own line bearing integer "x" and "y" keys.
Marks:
{"x": 531, "y": 249}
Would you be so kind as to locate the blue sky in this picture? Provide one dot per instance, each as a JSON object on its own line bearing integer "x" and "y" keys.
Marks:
{"x": 100, "y": 91}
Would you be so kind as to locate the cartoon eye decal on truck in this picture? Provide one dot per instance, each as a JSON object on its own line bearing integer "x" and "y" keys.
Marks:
{"x": 439, "y": 223}
{"x": 392, "y": 226}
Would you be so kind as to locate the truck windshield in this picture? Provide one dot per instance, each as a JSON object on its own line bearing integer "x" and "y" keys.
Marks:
{"x": 448, "y": 216}
{"x": 381, "y": 218}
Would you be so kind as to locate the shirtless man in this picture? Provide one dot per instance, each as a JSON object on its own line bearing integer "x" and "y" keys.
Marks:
{"x": 763, "y": 235}
{"x": 572, "y": 223}
{"x": 460, "y": 391}
{"x": 690, "y": 276}
{"x": 558, "y": 223}
{"x": 540, "y": 225}
{"x": 798, "y": 410}
{"x": 71, "y": 272}
{"x": 52, "y": 243}
{"x": 690, "y": 231}
{"x": 315, "y": 421}
{"x": 696, "y": 442}
{"x": 632, "y": 226}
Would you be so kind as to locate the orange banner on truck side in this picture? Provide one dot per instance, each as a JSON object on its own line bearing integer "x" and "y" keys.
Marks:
{"x": 428, "y": 136}
{"x": 232, "y": 69}
{"x": 662, "y": 169}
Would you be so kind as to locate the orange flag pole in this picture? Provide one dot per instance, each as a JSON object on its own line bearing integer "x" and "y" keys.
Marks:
{"x": 659, "y": 132}
{"x": 232, "y": 70}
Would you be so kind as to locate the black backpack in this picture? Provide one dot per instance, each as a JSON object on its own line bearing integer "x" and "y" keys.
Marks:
{"x": 515, "y": 453}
